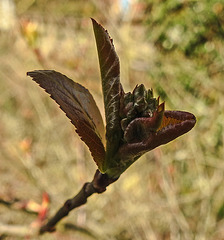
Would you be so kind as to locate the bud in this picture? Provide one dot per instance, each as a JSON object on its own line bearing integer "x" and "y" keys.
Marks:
{"x": 139, "y": 104}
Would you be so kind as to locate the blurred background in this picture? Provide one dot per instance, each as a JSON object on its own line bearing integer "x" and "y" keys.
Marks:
{"x": 173, "y": 46}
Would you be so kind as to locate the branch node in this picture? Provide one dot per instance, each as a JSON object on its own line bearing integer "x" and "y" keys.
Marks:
{"x": 101, "y": 181}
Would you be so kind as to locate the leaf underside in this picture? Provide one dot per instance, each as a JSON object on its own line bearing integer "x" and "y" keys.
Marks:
{"x": 79, "y": 106}
{"x": 110, "y": 75}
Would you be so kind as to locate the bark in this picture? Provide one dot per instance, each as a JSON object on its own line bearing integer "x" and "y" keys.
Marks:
{"x": 98, "y": 185}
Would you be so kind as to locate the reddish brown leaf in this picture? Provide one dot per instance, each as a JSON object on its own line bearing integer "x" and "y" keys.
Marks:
{"x": 110, "y": 74}
{"x": 79, "y": 106}
{"x": 174, "y": 124}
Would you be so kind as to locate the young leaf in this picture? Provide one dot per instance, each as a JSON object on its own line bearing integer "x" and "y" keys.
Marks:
{"x": 135, "y": 122}
{"x": 110, "y": 75}
{"x": 174, "y": 124}
{"x": 79, "y": 106}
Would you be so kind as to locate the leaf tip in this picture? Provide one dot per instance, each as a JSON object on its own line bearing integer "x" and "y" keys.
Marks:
{"x": 29, "y": 74}
{"x": 93, "y": 20}
{"x": 32, "y": 74}
{"x": 95, "y": 23}
{"x": 161, "y": 107}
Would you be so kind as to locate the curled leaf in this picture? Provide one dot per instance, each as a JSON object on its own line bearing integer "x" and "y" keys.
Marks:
{"x": 79, "y": 106}
{"x": 140, "y": 128}
{"x": 174, "y": 124}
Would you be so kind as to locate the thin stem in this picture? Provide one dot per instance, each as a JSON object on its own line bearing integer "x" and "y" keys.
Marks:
{"x": 98, "y": 185}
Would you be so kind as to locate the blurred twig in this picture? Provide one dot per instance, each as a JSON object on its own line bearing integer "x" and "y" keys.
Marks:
{"x": 17, "y": 230}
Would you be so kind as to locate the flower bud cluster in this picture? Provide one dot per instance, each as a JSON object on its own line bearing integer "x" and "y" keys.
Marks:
{"x": 140, "y": 103}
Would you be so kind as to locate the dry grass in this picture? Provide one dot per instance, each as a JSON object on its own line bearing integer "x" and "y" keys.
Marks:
{"x": 173, "y": 192}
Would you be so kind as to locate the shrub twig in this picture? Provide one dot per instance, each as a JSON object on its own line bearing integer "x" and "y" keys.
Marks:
{"x": 98, "y": 185}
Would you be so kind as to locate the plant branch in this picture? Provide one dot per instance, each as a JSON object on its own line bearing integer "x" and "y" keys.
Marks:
{"x": 98, "y": 185}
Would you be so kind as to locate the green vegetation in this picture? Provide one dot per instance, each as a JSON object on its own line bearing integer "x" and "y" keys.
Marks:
{"x": 176, "y": 48}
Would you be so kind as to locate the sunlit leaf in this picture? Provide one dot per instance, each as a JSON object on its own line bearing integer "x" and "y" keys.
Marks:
{"x": 135, "y": 121}
{"x": 79, "y": 106}
{"x": 174, "y": 124}
{"x": 110, "y": 74}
